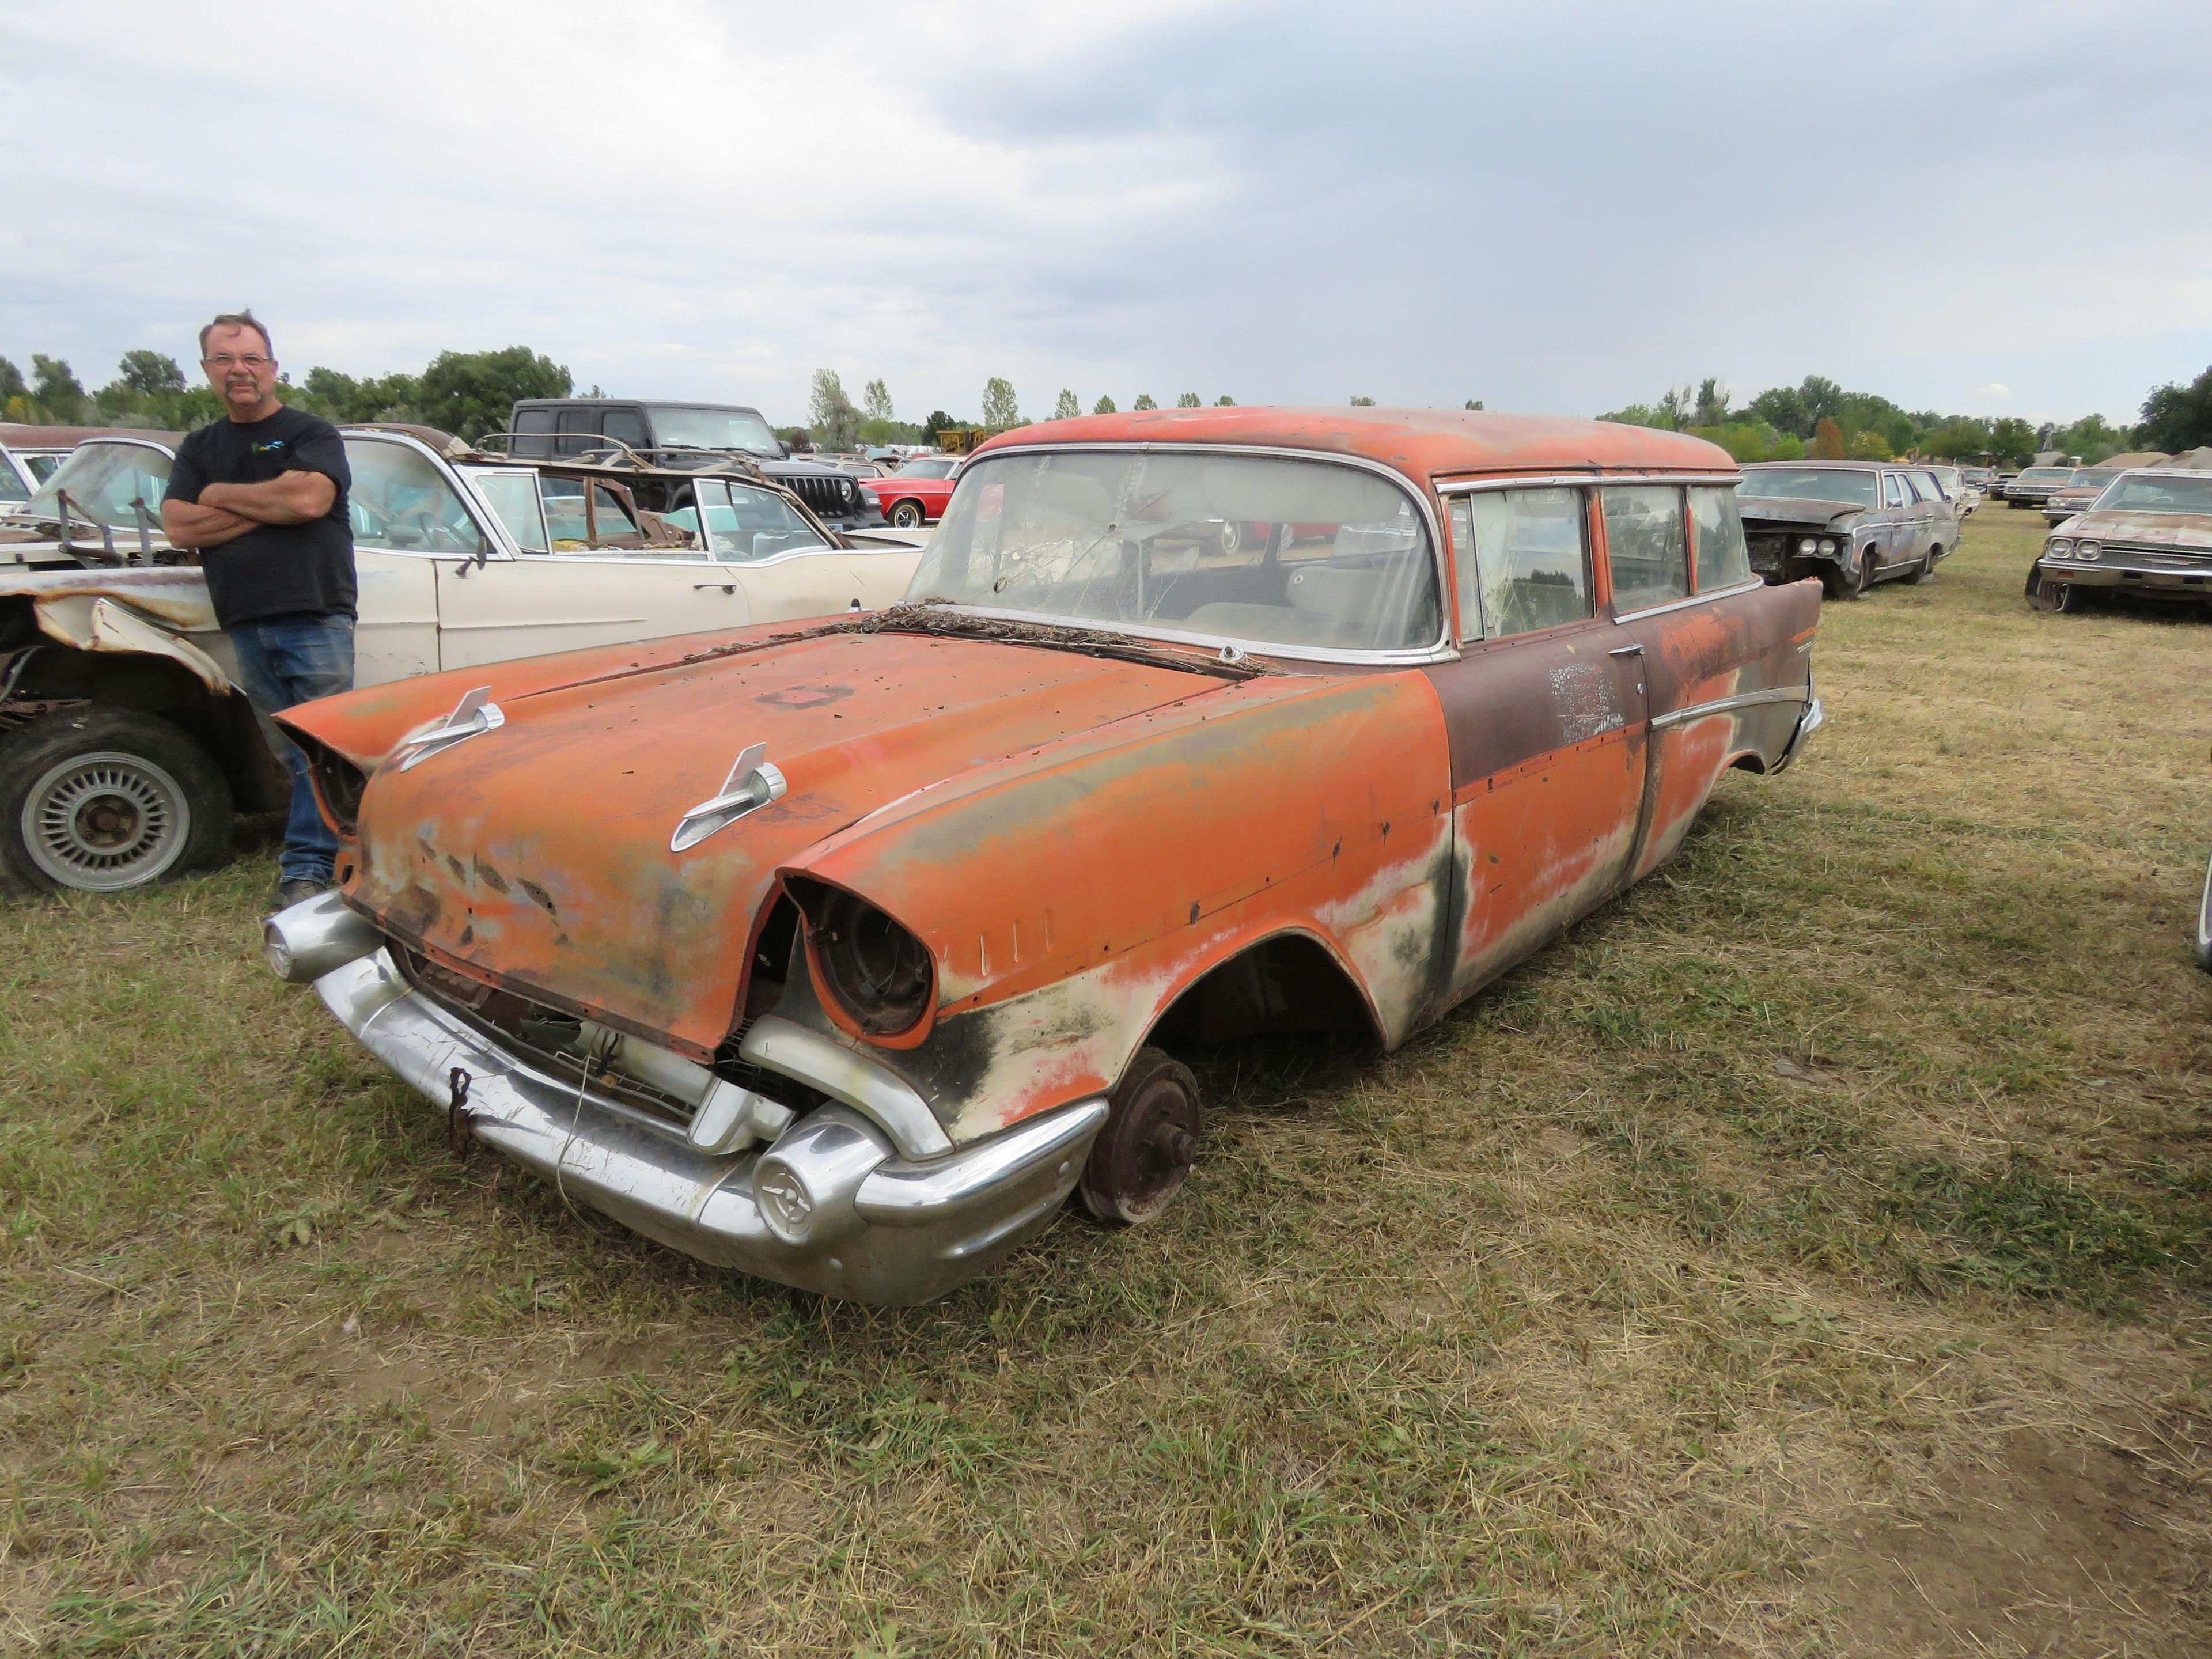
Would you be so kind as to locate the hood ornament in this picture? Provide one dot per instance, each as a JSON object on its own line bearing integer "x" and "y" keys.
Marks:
{"x": 753, "y": 783}
{"x": 472, "y": 716}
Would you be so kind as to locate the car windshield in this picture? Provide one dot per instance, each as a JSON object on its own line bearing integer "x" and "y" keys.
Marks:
{"x": 108, "y": 483}
{"x": 1274, "y": 551}
{"x": 12, "y": 492}
{"x": 1817, "y": 484}
{"x": 2044, "y": 475}
{"x": 928, "y": 466}
{"x": 2156, "y": 495}
{"x": 675, "y": 427}
{"x": 2089, "y": 475}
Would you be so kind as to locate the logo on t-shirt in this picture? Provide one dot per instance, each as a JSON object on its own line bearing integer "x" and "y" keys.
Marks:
{"x": 274, "y": 443}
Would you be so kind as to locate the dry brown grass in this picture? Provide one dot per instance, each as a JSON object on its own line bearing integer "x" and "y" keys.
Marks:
{"x": 1808, "y": 1255}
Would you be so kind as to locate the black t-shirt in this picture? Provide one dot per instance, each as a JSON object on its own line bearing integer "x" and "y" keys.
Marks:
{"x": 274, "y": 569}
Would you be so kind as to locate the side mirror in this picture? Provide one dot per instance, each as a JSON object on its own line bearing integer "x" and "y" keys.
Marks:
{"x": 483, "y": 551}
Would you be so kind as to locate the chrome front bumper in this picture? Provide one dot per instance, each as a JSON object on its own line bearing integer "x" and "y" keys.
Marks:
{"x": 831, "y": 1207}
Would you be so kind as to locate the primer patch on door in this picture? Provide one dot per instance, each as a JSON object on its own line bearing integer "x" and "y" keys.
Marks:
{"x": 1582, "y": 694}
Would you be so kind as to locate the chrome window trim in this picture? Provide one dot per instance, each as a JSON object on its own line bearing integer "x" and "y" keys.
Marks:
{"x": 1556, "y": 480}
{"x": 1441, "y": 650}
{"x": 502, "y": 545}
{"x": 1694, "y": 599}
{"x": 1697, "y": 711}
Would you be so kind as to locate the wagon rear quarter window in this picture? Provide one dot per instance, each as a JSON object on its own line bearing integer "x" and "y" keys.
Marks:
{"x": 1644, "y": 541}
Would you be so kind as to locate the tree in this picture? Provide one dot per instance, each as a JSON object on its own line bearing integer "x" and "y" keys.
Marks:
{"x": 55, "y": 390}
{"x": 876, "y": 402}
{"x": 11, "y": 383}
{"x": 1188, "y": 400}
{"x": 1712, "y": 405}
{"x": 149, "y": 374}
{"x": 1103, "y": 406}
{"x": 1000, "y": 408}
{"x": 1783, "y": 408}
{"x": 836, "y": 423}
{"x": 1144, "y": 401}
{"x": 1067, "y": 409}
{"x": 1363, "y": 403}
{"x": 939, "y": 421}
{"x": 2012, "y": 439}
{"x": 1675, "y": 408}
{"x": 1224, "y": 401}
{"x": 1828, "y": 439}
{"x": 1960, "y": 436}
{"x": 1869, "y": 447}
{"x": 2177, "y": 417}
{"x": 1472, "y": 402}
{"x": 469, "y": 394}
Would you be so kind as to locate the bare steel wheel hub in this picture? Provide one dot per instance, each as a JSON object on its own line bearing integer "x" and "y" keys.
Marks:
{"x": 1144, "y": 1153}
{"x": 106, "y": 820}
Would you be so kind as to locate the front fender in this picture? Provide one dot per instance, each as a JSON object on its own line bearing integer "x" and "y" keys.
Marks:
{"x": 1070, "y": 894}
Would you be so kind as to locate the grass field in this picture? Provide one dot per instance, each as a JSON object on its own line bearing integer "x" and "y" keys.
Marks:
{"x": 1808, "y": 1255}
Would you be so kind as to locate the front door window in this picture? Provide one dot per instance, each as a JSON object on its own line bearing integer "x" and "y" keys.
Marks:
{"x": 1523, "y": 562}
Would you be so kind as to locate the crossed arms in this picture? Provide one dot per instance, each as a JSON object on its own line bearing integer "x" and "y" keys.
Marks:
{"x": 225, "y": 511}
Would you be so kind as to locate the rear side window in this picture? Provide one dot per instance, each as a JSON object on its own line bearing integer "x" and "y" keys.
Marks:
{"x": 1931, "y": 487}
{"x": 1523, "y": 560}
{"x": 1723, "y": 560}
{"x": 1893, "y": 490}
{"x": 1650, "y": 553}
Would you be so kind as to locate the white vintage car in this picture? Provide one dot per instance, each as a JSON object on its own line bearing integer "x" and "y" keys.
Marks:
{"x": 125, "y": 744}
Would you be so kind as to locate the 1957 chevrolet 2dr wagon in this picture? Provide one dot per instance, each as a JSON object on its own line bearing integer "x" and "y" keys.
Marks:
{"x": 840, "y": 953}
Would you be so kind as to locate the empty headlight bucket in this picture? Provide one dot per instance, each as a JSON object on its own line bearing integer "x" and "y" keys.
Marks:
{"x": 2088, "y": 549}
{"x": 879, "y": 974}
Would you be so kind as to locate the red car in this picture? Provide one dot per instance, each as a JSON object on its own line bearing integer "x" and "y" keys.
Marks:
{"x": 917, "y": 492}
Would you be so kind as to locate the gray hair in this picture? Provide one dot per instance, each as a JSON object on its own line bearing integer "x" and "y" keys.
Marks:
{"x": 238, "y": 320}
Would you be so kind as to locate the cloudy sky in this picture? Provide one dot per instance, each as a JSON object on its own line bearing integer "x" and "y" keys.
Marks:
{"x": 1993, "y": 208}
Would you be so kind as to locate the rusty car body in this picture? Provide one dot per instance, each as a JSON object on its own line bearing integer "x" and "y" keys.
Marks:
{"x": 841, "y": 954}
{"x": 1851, "y": 523}
{"x": 2078, "y": 494}
{"x": 125, "y": 744}
{"x": 2148, "y": 536}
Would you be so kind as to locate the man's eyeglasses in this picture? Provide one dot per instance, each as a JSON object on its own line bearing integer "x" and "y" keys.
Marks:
{"x": 227, "y": 362}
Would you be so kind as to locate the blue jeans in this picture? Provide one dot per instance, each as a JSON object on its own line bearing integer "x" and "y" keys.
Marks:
{"x": 284, "y": 661}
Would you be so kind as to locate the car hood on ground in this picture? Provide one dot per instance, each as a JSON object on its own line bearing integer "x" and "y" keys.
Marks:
{"x": 1796, "y": 509}
{"x": 2177, "y": 532}
{"x": 537, "y": 856}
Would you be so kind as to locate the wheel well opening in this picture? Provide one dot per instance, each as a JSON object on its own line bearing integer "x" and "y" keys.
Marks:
{"x": 1286, "y": 984}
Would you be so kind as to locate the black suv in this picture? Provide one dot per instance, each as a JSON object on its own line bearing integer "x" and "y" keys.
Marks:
{"x": 665, "y": 434}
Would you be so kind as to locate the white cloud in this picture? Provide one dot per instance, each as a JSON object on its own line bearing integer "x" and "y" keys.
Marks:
{"x": 1995, "y": 392}
{"x": 1282, "y": 203}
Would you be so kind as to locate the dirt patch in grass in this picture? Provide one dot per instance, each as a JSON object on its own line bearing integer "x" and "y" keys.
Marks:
{"x": 1799, "y": 1235}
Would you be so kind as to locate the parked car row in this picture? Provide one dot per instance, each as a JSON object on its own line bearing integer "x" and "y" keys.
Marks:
{"x": 125, "y": 742}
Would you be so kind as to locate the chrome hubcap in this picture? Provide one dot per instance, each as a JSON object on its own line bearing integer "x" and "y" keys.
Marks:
{"x": 104, "y": 821}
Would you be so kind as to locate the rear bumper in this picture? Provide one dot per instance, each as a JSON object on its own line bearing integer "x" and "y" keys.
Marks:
{"x": 831, "y": 1207}
{"x": 1815, "y": 717}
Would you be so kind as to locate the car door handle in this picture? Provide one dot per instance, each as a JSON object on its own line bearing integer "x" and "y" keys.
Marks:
{"x": 1625, "y": 651}
{"x": 727, "y": 588}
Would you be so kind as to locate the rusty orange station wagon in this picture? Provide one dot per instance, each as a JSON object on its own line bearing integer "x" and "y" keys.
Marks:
{"x": 842, "y": 953}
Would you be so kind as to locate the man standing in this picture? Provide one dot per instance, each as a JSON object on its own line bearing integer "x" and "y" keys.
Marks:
{"x": 262, "y": 494}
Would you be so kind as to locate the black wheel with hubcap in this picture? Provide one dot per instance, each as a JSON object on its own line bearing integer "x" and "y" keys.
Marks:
{"x": 98, "y": 799}
{"x": 1144, "y": 1152}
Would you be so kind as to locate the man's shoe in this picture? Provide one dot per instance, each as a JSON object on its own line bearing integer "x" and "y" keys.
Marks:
{"x": 286, "y": 894}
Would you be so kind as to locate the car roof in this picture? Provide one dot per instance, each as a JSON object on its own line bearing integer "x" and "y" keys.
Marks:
{"x": 1420, "y": 443}
{"x": 18, "y": 436}
{"x": 1841, "y": 467}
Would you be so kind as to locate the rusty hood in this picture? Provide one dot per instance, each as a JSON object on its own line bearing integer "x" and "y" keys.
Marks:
{"x": 2167, "y": 532}
{"x": 1795, "y": 510}
{"x": 536, "y": 855}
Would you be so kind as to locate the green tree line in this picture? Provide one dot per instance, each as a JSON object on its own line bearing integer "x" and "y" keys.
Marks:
{"x": 1820, "y": 418}
{"x": 470, "y": 393}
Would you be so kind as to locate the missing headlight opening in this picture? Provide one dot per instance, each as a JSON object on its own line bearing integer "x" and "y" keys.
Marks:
{"x": 879, "y": 973}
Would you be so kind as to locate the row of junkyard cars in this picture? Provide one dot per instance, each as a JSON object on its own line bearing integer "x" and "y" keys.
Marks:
{"x": 840, "y": 907}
